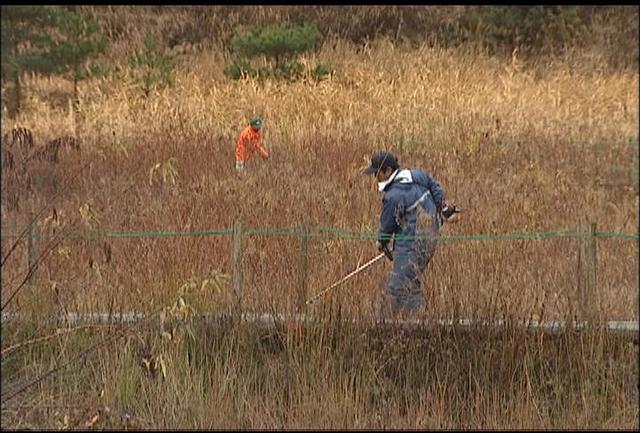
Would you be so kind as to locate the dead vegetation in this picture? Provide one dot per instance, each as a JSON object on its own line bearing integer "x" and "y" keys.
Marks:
{"x": 522, "y": 147}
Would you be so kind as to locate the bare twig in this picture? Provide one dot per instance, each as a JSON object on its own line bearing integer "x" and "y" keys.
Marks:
{"x": 39, "y": 213}
{"x": 33, "y": 268}
{"x": 58, "y": 333}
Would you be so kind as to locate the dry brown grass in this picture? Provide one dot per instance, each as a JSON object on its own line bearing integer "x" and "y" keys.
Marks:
{"x": 331, "y": 376}
{"x": 519, "y": 153}
{"x": 521, "y": 148}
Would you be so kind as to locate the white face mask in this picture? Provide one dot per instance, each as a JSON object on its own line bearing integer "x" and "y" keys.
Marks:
{"x": 402, "y": 176}
{"x": 382, "y": 185}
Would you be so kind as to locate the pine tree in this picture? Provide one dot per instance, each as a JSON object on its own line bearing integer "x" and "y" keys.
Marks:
{"x": 279, "y": 44}
{"x": 47, "y": 40}
{"x": 25, "y": 42}
{"x": 79, "y": 40}
{"x": 153, "y": 68}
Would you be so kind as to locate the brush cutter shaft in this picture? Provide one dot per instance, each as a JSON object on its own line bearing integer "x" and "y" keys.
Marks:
{"x": 345, "y": 278}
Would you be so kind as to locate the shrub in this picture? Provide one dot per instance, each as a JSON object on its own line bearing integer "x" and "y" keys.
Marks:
{"x": 529, "y": 27}
{"x": 239, "y": 69}
{"x": 153, "y": 68}
{"x": 320, "y": 72}
{"x": 280, "y": 45}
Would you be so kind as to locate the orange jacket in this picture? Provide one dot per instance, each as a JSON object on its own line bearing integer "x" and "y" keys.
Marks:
{"x": 248, "y": 142}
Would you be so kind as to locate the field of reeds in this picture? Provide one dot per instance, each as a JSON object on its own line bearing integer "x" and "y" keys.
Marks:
{"x": 140, "y": 218}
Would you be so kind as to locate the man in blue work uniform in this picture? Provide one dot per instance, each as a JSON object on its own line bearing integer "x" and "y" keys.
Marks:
{"x": 412, "y": 214}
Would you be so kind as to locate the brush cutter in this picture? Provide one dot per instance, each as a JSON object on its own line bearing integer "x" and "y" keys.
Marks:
{"x": 345, "y": 278}
{"x": 448, "y": 211}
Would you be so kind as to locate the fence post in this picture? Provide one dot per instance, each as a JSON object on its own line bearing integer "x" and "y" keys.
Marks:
{"x": 592, "y": 272}
{"x": 587, "y": 264}
{"x": 31, "y": 251}
{"x": 303, "y": 266}
{"x": 237, "y": 264}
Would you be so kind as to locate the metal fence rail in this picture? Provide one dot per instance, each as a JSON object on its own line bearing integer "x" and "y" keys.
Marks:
{"x": 269, "y": 320}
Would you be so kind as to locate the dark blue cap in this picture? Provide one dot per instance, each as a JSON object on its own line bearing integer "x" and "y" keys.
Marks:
{"x": 381, "y": 160}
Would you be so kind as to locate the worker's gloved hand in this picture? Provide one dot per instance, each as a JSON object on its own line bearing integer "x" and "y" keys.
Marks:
{"x": 383, "y": 247}
{"x": 449, "y": 210}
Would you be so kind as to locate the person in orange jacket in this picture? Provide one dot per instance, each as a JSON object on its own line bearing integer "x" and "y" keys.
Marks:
{"x": 249, "y": 141}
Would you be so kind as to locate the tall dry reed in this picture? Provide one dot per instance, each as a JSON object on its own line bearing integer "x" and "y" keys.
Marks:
{"x": 520, "y": 147}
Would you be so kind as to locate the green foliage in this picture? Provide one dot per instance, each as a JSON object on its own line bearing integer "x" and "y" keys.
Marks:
{"x": 277, "y": 41}
{"x": 612, "y": 29}
{"x": 280, "y": 45}
{"x": 320, "y": 71}
{"x": 25, "y": 43}
{"x": 26, "y": 38}
{"x": 153, "y": 68}
{"x": 240, "y": 69}
{"x": 532, "y": 27}
{"x": 81, "y": 39}
{"x": 288, "y": 69}
{"x": 48, "y": 40}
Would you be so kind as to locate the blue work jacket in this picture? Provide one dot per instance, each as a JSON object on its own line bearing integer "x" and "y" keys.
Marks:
{"x": 400, "y": 198}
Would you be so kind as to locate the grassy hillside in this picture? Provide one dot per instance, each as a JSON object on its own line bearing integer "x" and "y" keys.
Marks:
{"x": 527, "y": 146}
{"x": 520, "y": 149}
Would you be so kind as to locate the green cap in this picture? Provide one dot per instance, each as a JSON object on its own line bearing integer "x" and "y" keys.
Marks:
{"x": 256, "y": 122}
